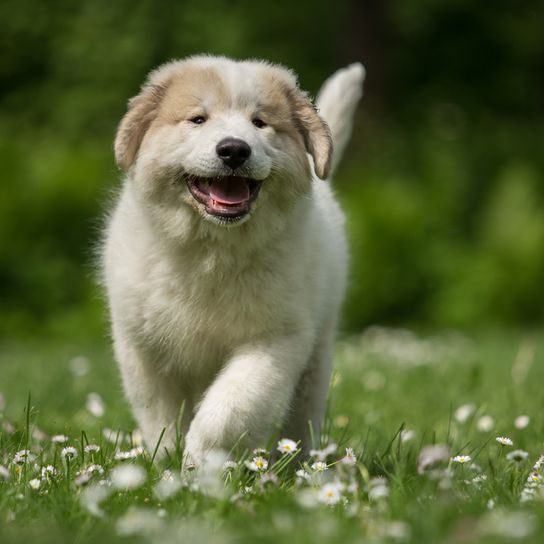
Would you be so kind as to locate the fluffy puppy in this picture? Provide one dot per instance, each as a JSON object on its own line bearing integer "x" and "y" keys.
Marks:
{"x": 225, "y": 258}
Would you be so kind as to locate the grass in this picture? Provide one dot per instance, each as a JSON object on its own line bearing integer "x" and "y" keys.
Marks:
{"x": 392, "y": 394}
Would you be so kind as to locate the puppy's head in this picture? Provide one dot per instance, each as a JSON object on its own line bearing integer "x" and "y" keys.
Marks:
{"x": 222, "y": 137}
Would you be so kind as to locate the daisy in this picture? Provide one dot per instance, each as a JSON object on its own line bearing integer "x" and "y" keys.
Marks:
{"x": 260, "y": 451}
{"x": 379, "y": 491}
{"x": 462, "y": 459}
{"x": 349, "y": 459}
{"x": 47, "y": 471}
{"x": 229, "y": 465}
{"x": 321, "y": 455}
{"x": 4, "y": 473}
{"x": 319, "y": 466}
{"x": 464, "y": 412}
{"x": 504, "y": 441}
{"x": 91, "y": 469}
{"x": 59, "y": 439}
{"x": 521, "y": 422}
{"x": 95, "y": 405}
{"x": 534, "y": 478}
{"x": 92, "y": 448}
{"x": 329, "y": 494}
{"x": 69, "y": 452}
{"x": 485, "y": 424}
{"x": 257, "y": 464}
{"x": 406, "y": 435}
{"x": 35, "y": 483}
{"x": 268, "y": 478}
{"x": 539, "y": 462}
{"x": 518, "y": 456}
{"x": 126, "y": 477}
{"x": 286, "y": 445}
{"x": 23, "y": 456}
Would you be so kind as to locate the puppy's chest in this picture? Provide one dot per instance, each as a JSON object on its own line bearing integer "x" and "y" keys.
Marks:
{"x": 199, "y": 313}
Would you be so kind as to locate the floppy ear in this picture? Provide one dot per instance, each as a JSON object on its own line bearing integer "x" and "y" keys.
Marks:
{"x": 142, "y": 109}
{"x": 314, "y": 130}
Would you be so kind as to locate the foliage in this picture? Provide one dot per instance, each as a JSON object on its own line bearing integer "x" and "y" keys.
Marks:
{"x": 442, "y": 183}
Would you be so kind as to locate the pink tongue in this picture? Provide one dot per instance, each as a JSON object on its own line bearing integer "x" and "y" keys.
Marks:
{"x": 229, "y": 190}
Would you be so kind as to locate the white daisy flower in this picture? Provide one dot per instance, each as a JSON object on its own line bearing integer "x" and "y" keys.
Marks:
{"x": 95, "y": 405}
{"x": 431, "y": 455}
{"x": 485, "y": 424}
{"x": 461, "y": 459}
{"x": 92, "y": 448}
{"x": 329, "y": 494}
{"x": 268, "y": 478}
{"x": 319, "y": 466}
{"x": 539, "y": 462}
{"x": 518, "y": 456}
{"x": 229, "y": 465}
{"x": 23, "y": 456}
{"x": 127, "y": 477}
{"x": 69, "y": 452}
{"x": 94, "y": 468}
{"x": 286, "y": 445}
{"x": 521, "y": 422}
{"x": 39, "y": 435}
{"x": 113, "y": 436}
{"x": 168, "y": 486}
{"x": 321, "y": 455}
{"x": 350, "y": 458}
{"x": 92, "y": 496}
{"x": 406, "y": 435}
{"x": 131, "y": 454}
{"x": 302, "y": 475}
{"x": 82, "y": 477}
{"x": 534, "y": 478}
{"x": 4, "y": 473}
{"x": 79, "y": 365}
{"x": 257, "y": 464}
{"x": 59, "y": 439}
{"x": 379, "y": 489}
{"x": 504, "y": 441}
{"x": 47, "y": 471}
{"x": 260, "y": 451}
{"x": 35, "y": 483}
{"x": 464, "y": 412}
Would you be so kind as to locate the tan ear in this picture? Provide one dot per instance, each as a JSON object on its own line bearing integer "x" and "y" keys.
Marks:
{"x": 314, "y": 130}
{"x": 142, "y": 109}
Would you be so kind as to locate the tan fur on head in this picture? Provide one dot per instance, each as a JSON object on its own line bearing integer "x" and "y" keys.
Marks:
{"x": 316, "y": 133}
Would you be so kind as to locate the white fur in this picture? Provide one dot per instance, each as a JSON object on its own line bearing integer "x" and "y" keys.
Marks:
{"x": 235, "y": 323}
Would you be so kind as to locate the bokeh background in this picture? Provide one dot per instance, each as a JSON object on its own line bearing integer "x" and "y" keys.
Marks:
{"x": 442, "y": 182}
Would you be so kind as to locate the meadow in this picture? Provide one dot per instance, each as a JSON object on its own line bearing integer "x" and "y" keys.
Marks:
{"x": 442, "y": 186}
{"x": 410, "y": 452}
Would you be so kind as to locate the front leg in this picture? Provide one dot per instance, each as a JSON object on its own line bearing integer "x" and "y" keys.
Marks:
{"x": 250, "y": 394}
{"x": 155, "y": 398}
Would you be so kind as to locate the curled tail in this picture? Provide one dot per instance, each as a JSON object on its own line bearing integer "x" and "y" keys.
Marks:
{"x": 336, "y": 103}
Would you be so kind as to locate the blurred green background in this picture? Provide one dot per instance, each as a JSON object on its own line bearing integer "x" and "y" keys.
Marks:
{"x": 442, "y": 182}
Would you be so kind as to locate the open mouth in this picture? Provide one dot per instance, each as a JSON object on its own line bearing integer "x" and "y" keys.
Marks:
{"x": 227, "y": 197}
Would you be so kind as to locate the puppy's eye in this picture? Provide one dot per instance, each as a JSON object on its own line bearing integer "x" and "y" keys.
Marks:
{"x": 198, "y": 120}
{"x": 259, "y": 123}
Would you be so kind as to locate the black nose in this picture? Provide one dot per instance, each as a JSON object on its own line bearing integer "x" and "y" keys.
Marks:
{"x": 233, "y": 152}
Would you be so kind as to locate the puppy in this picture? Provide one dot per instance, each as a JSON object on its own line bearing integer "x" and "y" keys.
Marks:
{"x": 225, "y": 257}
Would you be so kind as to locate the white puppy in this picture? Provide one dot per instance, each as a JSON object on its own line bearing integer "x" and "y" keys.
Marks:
{"x": 225, "y": 258}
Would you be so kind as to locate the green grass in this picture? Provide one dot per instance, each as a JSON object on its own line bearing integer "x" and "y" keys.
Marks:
{"x": 385, "y": 382}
